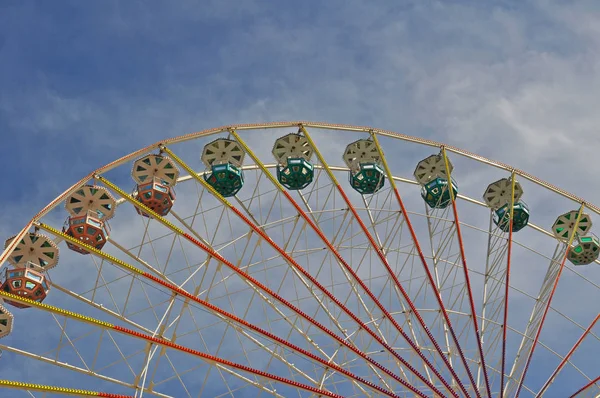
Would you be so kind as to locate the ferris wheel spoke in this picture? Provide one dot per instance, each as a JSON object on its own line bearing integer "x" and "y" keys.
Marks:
{"x": 139, "y": 259}
{"x": 467, "y": 281}
{"x": 197, "y": 333}
{"x": 593, "y": 385}
{"x": 85, "y": 350}
{"x": 441, "y": 240}
{"x": 121, "y": 313}
{"x": 515, "y": 375}
{"x": 496, "y": 371}
{"x": 174, "y": 325}
{"x": 148, "y": 242}
{"x": 392, "y": 246}
{"x": 391, "y": 274}
{"x": 377, "y": 210}
{"x": 158, "y": 382}
{"x": 353, "y": 296}
{"x": 76, "y": 369}
{"x": 112, "y": 292}
{"x": 507, "y": 283}
{"x": 303, "y": 214}
{"x": 351, "y": 282}
{"x": 319, "y": 300}
{"x": 161, "y": 327}
{"x": 446, "y": 267}
{"x": 260, "y": 232}
{"x": 566, "y": 358}
{"x": 493, "y": 298}
{"x": 429, "y": 277}
{"x": 100, "y": 307}
{"x": 254, "y": 282}
{"x": 390, "y": 224}
{"x": 540, "y": 311}
{"x": 150, "y": 349}
{"x": 272, "y": 352}
{"x": 290, "y": 246}
{"x": 382, "y": 258}
{"x": 9, "y": 384}
{"x": 232, "y": 367}
{"x": 224, "y": 314}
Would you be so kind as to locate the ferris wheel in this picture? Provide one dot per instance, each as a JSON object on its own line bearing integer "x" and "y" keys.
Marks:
{"x": 301, "y": 259}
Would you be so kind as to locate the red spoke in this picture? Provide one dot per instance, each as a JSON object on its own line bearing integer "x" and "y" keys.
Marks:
{"x": 386, "y": 264}
{"x": 165, "y": 343}
{"x": 343, "y": 262}
{"x": 547, "y": 306}
{"x": 176, "y": 289}
{"x": 588, "y": 385}
{"x": 289, "y": 305}
{"x": 430, "y": 276}
{"x": 566, "y": 358}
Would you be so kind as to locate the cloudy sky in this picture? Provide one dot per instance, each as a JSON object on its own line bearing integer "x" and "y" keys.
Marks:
{"x": 83, "y": 83}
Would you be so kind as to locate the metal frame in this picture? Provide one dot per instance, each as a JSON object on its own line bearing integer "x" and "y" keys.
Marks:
{"x": 374, "y": 226}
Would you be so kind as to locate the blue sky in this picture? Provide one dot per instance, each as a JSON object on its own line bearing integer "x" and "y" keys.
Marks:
{"x": 107, "y": 77}
{"x": 83, "y": 83}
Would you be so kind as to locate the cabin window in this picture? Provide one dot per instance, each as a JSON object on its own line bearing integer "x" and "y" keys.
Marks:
{"x": 33, "y": 276}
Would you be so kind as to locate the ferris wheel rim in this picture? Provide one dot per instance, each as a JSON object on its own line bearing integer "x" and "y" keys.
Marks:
{"x": 289, "y": 124}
